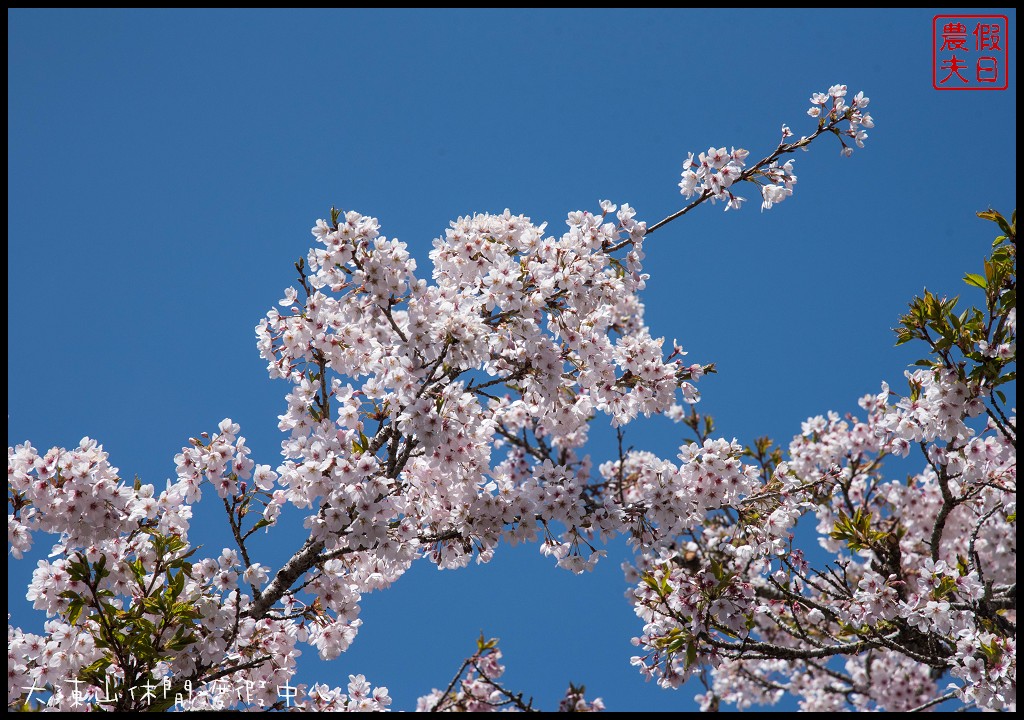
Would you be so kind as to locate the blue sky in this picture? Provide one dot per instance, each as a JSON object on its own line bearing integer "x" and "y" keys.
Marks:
{"x": 164, "y": 169}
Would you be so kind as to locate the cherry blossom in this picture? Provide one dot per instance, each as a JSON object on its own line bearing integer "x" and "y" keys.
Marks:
{"x": 433, "y": 416}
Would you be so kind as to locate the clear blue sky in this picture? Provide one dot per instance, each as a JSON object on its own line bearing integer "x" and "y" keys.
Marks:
{"x": 164, "y": 169}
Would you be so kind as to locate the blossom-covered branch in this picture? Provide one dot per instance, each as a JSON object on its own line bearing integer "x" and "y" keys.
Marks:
{"x": 436, "y": 417}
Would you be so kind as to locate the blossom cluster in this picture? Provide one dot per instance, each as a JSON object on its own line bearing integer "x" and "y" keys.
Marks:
{"x": 477, "y": 688}
{"x": 714, "y": 173}
{"x": 519, "y": 336}
{"x": 927, "y": 565}
{"x": 830, "y": 107}
{"x": 78, "y": 496}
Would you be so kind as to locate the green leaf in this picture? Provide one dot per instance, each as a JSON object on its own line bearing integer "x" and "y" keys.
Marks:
{"x": 75, "y": 611}
{"x": 177, "y": 585}
{"x": 962, "y": 566}
{"x": 976, "y": 280}
{"x": 691, "y": 654}
{"x": 78, "y": 571}
{"x": 482, "y": 644}
{"x": 947, "y": 586}
{"x": 262, "y": 524}
{"x": 137, "y": 570}
{"x": 181, "y": 643}
{"x": 675, "y": 645}
{"x": 185, "y": 611}
{"x": 995, "y": 217}
{"x": 96, "y": 668}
